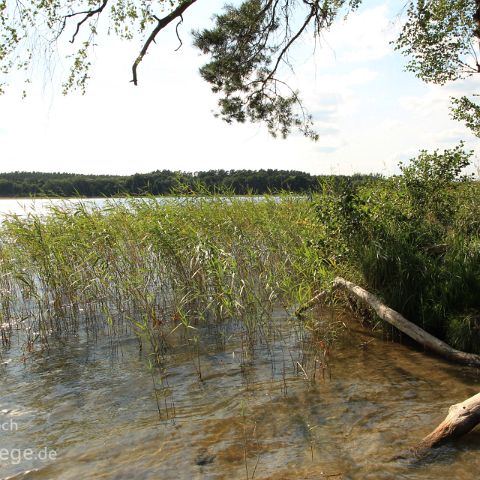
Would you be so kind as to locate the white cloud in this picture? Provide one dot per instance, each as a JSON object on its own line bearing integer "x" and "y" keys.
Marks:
{"x": 364, "y": 36}
{"x": 433, "y": 106}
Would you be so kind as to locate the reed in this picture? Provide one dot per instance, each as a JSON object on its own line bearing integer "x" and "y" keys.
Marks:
{"x": 164, "y": 269}
{"x": 158, "y": 269}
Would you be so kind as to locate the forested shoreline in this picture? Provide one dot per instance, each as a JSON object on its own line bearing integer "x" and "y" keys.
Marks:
{"x": 166, "y": 182}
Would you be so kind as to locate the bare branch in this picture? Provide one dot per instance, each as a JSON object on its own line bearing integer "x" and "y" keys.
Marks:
{"x": 161, "y": 24}
{"x": 312, "y": 14}
{"x": 87, "y": 13}
{"x": 91, "y": 13}
{"x": 178, "y": 36}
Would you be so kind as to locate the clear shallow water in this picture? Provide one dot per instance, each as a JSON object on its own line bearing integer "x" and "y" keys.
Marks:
{"x": 93, "y": 404}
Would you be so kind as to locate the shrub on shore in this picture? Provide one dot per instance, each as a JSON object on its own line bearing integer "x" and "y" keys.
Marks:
{"x": 414, "y": 239}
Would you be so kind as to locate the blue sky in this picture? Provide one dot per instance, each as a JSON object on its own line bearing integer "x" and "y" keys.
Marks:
{"x": 369, "y": 112}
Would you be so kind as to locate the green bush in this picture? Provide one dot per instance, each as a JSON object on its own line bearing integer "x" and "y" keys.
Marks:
{"x": 415, "y": 240}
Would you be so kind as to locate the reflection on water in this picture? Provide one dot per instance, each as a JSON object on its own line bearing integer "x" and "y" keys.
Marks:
{"x": 271, "y": 412}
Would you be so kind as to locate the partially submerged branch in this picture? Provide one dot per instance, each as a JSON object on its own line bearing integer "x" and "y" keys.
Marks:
{"x": 461, "y": 419}
{"x": 317, "y": 299}
{"x": 394, "y": 318}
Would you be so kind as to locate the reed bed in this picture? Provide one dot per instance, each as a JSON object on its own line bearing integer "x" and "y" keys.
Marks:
{"x": 154, "y": 267}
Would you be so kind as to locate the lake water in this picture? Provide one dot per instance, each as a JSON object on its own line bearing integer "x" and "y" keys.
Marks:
{"x": 41, "y": 206}
{"x": 279, "y": 410}
{"x": 282, "y": 409}
{"x": 22, "y": 206}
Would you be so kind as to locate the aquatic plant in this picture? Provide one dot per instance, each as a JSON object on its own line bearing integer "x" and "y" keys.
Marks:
{"x": 157, "y": 267}
{"x": 166, "y": 268}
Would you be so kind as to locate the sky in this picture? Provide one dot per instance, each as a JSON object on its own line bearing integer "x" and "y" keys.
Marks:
{"x": 369, "y": 112}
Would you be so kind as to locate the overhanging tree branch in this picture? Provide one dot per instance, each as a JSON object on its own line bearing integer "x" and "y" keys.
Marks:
{"x": 88, "y": 14}
{"x": 178, "y": 35}
{"x": 395, "y": 319}
{"x": 291, "y": 42}
{"x": 161, "y": 24}
{"x": 247, "y": 45}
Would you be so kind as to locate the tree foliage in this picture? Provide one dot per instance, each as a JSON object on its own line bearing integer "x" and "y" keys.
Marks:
{"x": 431, "y": 179}
{"x": 466, "y": 110}
{"x": 441, "y": 39}
{"x": 438, "y": 38}
{"x": 248, "y": 47}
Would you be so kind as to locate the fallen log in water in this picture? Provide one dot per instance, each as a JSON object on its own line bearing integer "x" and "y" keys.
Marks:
{"x": 461, "y": 417}
{"x": 394, "y": 318}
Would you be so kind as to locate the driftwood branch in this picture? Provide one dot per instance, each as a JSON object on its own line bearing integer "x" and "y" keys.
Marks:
{"x": 161, "y": 24}
{"x": 394, "y": 318}
{"x": 461, "y": 418}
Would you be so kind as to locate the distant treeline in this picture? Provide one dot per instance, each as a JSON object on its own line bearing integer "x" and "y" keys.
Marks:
{"x": 165, "y": 182}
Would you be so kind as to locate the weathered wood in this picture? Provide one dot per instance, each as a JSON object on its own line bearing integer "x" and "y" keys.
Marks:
{"x": 424, "y": 338}
{"x": 394, "y": 318}
{"x": 461, "y": 418}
